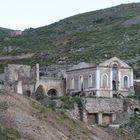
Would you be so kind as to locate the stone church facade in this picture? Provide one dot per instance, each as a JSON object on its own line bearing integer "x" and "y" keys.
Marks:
{"x": 108, "y": 79}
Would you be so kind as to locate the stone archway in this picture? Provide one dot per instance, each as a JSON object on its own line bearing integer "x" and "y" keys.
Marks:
{"x": 27, "y": 93}
{"x": 136, "y": 110}
{"x": 52, "y": 92}
{"x": 40, "y": 92}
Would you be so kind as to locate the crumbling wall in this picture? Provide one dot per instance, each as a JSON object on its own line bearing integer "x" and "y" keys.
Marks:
{"x": 110, "y": 109}
{"x": 106, "y": 105}
{"x": 19, "y": 78}
{"x": 49, "y": 83}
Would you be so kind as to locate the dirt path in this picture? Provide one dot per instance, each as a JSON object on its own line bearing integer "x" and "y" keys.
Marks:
{"x": 16, "y": 57}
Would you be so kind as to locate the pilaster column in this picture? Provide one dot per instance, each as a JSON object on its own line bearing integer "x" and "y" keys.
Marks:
{"x": 113, "y": 117}
{"x": 19, "y": 87}
{"x": 111, "y": 74}
{"x": 37, "y": 72}
{"x": 100, "y": 118}
{"x": 98, "y": 82}
{"x": 120, "y": 82}
{"x": 37, "y": 76}
{"x": 132, "y": 80}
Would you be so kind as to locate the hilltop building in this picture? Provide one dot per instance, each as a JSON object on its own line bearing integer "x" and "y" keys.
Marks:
{"x": 108, "y": 79}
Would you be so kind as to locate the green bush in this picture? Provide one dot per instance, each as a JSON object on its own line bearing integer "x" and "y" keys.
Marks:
{"x": 9, "y": 134}
{"x": 133, "y": 126}
{"x": 68, "y": 101}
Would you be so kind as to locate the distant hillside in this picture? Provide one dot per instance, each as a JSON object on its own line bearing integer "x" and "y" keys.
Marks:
{"x": 4, "y": 32}
{"x": 91, "y": 37}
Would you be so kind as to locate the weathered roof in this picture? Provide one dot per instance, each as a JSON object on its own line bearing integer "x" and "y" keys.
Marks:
{"x": 107, "y": 63}
{"x": 112, "y": 60}
{"x": 18, "y": 66}
{"x": 81, "y": 65}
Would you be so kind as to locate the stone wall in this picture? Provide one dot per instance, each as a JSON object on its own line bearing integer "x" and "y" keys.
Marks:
{"x": 16, "y": 72}
{"x": 83, "y": 72}
{"x": 19, "y": 78}
{"x": 49, "y": 83}
{"x": 109, "y": 110}
{"x": 105, "y": 105}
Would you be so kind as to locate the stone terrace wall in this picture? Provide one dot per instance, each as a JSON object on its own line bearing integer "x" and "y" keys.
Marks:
{"x": 104, "y": 105}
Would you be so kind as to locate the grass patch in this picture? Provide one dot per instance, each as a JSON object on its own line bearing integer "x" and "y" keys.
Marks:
{"x": 133, "y": 126}
{"x": 68, "y": 101}
{"x": 41, "y": 108}
{"x": 59, "y": 116}
{"x": 9, "y": 134}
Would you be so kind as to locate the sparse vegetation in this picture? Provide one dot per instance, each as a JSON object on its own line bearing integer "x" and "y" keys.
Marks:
{"x": 68, "y": 101}
{"x": 39, "y": 106}
{"x": 60, "y": 115}
{"x": 8, "y": 134}
{"x": 133, "y": 126}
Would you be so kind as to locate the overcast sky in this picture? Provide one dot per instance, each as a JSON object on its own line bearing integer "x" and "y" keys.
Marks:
{"x": 23, "y": 14}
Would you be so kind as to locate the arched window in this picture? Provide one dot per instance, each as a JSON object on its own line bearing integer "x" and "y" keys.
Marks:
{"x": 125, "y": 81}
{"x": 90, "y": 81}
{"x": 52, "y": 92}
{"x": 72, "y": 83}
{"x": 81, "y": 83}
{"x": 104, "y": 81}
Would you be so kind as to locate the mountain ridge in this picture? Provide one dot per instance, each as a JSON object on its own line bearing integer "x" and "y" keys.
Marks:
{"x": 91, "y": 37}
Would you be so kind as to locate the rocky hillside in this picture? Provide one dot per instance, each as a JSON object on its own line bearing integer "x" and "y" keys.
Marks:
{"x": 91, "y": 37}
{"x": 4, "y": 33}
{"x": 25, "y": 118}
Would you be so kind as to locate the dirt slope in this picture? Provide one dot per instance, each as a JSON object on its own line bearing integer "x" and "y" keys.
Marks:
{"x": 34, "y": 121}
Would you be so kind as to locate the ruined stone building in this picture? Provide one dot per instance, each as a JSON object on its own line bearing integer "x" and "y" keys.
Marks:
{"x": 23, "y": 79}
{"x": 107, "y": 79}
{"x": 20, "y": 79}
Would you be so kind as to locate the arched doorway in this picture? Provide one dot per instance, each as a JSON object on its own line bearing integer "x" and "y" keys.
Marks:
{"x": 115, "y": 77}
{"x": 136, "y": 110}
{"x": 81, "y": 83}
{"x": 52, "y": 92}
{"x": 27, "y": 93}
{"x": 114, "y": 85}
{"x": 40, "y": 92}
